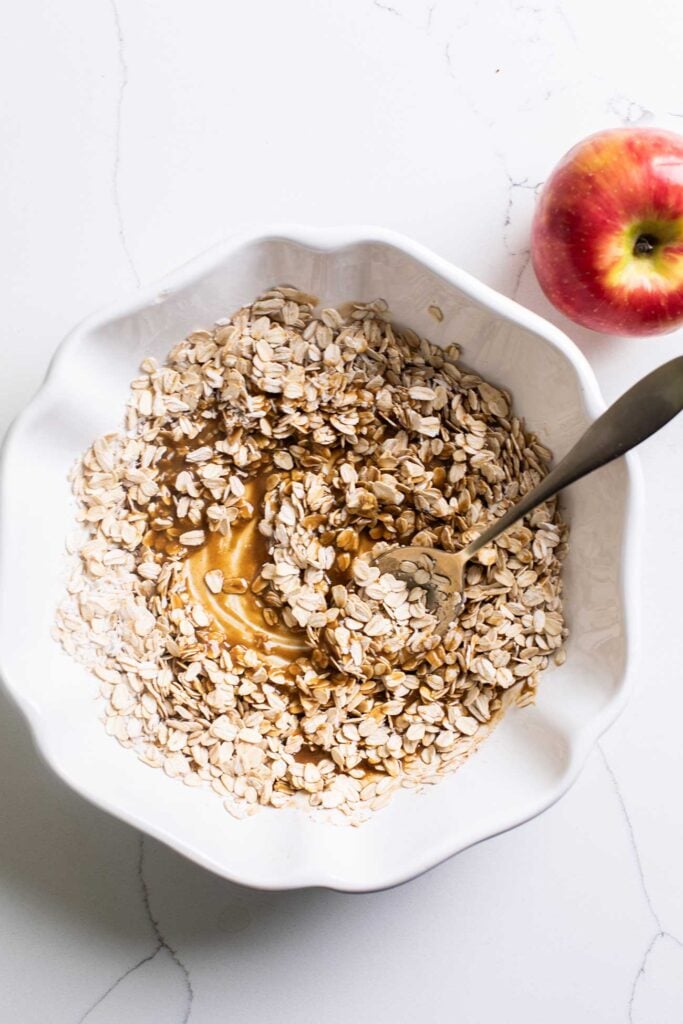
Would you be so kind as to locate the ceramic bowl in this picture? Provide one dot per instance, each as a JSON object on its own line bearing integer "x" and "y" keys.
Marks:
{"x": 530, "y": 759}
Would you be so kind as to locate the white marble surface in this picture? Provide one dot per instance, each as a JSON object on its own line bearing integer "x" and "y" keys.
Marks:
{"x": 135, "y": 133}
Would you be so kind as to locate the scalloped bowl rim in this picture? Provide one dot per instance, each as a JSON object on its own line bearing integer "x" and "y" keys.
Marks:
{"x": 322, "y": 239}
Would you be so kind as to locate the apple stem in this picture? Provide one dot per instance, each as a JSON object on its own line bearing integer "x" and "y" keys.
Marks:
{"x": 644, "y": 245}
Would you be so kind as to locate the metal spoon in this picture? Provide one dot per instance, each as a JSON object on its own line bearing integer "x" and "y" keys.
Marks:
{"x": 640, "y": 412}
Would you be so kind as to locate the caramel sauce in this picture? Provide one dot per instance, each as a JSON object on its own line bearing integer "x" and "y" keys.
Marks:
{"x": 164, "y": 538}
{"x": 239, "y": 617}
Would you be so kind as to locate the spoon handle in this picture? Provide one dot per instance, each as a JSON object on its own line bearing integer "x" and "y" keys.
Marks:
{"x": 640, "y": 412}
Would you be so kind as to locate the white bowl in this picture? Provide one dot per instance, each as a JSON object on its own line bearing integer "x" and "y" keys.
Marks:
{"x": 531, "y": 758}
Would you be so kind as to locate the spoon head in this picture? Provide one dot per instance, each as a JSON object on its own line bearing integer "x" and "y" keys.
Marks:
{"x": 438, "y": 573}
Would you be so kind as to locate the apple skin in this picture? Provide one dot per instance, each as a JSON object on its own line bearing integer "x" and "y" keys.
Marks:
{"x": 616, "y": 192}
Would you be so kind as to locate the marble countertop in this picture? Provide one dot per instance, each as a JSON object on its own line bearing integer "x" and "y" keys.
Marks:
{"x": 135, "y": 134}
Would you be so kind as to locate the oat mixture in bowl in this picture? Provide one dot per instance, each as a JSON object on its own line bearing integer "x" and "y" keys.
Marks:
{"x": 224, "y": 591}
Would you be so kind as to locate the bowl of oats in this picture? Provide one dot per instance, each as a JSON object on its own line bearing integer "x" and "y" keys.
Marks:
{"x": 203, "y": 643}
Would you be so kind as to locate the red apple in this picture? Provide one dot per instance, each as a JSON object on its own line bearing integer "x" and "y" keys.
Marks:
{"x": 607, "y": 239}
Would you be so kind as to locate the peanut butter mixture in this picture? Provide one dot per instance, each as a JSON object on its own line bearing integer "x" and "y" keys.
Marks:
{"x": 224, "y": 590}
